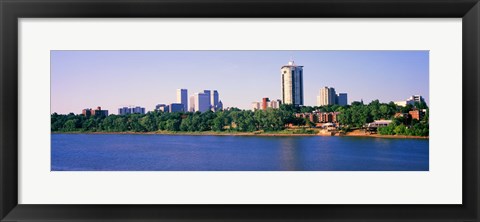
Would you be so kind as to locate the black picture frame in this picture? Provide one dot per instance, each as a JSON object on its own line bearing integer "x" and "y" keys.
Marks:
{"x": 12, "y": 10}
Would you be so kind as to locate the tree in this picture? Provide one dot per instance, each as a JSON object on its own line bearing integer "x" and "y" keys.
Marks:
{"x": 172, "y": 125}
{"x": 70, "y": 125}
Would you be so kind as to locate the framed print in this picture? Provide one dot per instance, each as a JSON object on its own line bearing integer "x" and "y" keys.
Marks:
{"x": 224, "y": 110}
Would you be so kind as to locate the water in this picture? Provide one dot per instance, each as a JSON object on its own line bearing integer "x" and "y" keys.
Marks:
{"x": 94, "y": 152}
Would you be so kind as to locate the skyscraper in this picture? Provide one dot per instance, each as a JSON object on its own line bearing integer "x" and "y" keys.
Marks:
{"x": 292, "y": 84}
{"x": 182, "y": 98}
{"x": 342, "y": 99}
{"x": 214, "y": 100}
{"x": 333, "y": 96}
{"x": 138, "y": 109}
{"x": 177, "y": 107}
{"x": 124, "y": 111}
{"x": 209, "y": 94}
{"x": 192, "y": 104}
{"x": 327, "y": 97}
{"x": 265, "y": 102}
{"x": 202, "y": 101}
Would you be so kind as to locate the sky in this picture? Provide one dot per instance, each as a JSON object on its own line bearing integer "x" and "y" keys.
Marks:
{"x": 114, "y": 79}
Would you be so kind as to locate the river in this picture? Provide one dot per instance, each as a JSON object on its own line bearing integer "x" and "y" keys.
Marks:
{"x": 123, "y": 152}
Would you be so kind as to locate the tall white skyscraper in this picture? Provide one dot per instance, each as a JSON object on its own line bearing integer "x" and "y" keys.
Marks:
{"x": 182, "y": 98}
{"x": 292, "y": 84}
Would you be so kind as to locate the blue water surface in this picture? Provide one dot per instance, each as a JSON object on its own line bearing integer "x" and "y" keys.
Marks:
{"x": 120, "y": 152}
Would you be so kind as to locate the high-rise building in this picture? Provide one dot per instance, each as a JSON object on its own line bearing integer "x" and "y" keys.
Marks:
{"x": 209, "y": 94}
{"x": 87, "y": 112}
{"x": 162, "y": 107}
{"x": 131, "y": 110}
{"x": 192, "y": 104}
{"x": 124, "y": 111}
{"x": 322, "y": 98}
{"x": 202, "y": 101}
{"x": 333, "y": 95}
{"x": 182, "y": 98}
{"x": 342, "y": 99}
{"x": 292, "y": 84}
{"x": 265, "y": 102}
{"x": 327, "y": 96}
{"x": 275, "y": 104}
{"x": 176, "y": 107}
{"x": 99, "y": 112}
{"x": 214, "y": 99}
{"x": 138, "y": 110}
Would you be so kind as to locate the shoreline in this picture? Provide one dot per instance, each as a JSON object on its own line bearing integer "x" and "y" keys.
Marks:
{"x": 210, "y": 133}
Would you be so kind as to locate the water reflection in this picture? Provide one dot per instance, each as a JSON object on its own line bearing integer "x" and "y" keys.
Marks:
{"x": 290, "y": 154}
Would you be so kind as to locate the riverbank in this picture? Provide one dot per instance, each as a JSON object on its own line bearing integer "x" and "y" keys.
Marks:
{"x": 359, "y": 133}
{"x": 256, "y": 133}
{"x": 203, "y": 133}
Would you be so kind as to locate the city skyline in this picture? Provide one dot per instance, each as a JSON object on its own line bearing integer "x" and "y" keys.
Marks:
{"x": 113, "y": 79}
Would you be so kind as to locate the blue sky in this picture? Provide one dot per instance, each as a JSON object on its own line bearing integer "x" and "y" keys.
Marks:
{"x": 111, "y": 79}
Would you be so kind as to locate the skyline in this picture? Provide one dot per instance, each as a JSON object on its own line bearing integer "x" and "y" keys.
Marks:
{"x": 113, "y": 79}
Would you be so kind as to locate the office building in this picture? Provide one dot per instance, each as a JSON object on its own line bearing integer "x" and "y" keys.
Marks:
{"x": 176, "y": 107}
{"x": 209, "y": 94}
{"x": 191, "y": 107}
{"x": 138, "y": 110}
{"x": 342, "y": 99}
{"x": 275, "y": 104}
{"x": 124, "y": 111}
{"x": 95, "y": 112}
{"x": 327, "y": 97}
{"x": 87, "y": 112}
{"x": 292, "y": 84}
{"x": 99, "y": 112}
{"x": 182, "y": 98}
{"x": 265, "y": 102}
{"x": 410, "y": 101}
{"x": 202, "y": 101}
{"x": 214, "y": 100}
{"x": 162, "y": 107}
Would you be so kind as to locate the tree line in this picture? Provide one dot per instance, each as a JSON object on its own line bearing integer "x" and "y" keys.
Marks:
{"x": 355, "y": 115}
{"x": 232, "y": 120}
